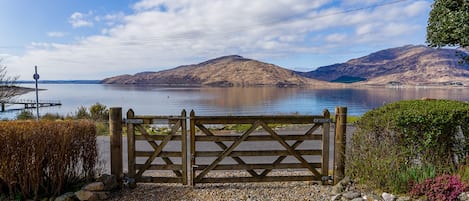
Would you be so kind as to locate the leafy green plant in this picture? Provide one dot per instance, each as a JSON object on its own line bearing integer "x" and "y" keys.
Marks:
{"x": 25, "y": 115}
{"x": 408, "y": 177}
{"x": 99, "y": 112}
{"x": 408, "y": 135}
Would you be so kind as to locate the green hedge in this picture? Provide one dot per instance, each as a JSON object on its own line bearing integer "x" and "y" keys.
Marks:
{"x": 43, "y": 158}
{"x": 398, "y": 141}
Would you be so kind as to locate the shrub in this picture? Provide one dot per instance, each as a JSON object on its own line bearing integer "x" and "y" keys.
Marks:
{"x": 408, "y": 134}
{"x": 25, "y": 115}
{"x": 43, "y": 158}
{"x": 441, "y": 188}
{"x": 99, "y": 112}
{"x": 82, "y": 113}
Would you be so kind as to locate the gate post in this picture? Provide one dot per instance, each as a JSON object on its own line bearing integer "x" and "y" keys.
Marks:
{"x": 184, "y": 160}
{"x": 115, "y": 130}
{"x": 340, "y": 143}
{"x": 131, "y": 150}
{"x": 325, "y": 146}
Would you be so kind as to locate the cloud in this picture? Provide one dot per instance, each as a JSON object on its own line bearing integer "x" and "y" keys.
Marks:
{"x": 56, "y": 34}
{"x": 167, "y": 33}
{"x": 78, "y": 19}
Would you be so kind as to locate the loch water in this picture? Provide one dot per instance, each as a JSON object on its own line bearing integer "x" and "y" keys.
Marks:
{"x": 155, "y": 100}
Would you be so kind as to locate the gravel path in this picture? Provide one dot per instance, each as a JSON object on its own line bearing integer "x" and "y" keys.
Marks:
{"x": 230, "y": 192}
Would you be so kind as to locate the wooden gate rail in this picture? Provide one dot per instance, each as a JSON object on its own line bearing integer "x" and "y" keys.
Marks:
{"x": 136, "y": 170}
{"x": 199, "y": 122}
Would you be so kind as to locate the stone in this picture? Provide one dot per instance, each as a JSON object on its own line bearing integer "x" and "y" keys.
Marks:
{"x": 372, "y": 197}
{"x": 464, "y": 196}
{"x": 388, "y": 197}
{"x": 358, "y": 199}
{"x": 110, "y": 182}
{"x": 96, "y": 186}
{"x": 341, "y": 186}
{"x": 84, "y": 195}
{"x": 336, "y": 197}
{"x": 101, "y": 195}
{"x": 351, "y": 195}
{"x": 404, "y": 198}
{"x": 70, "y": 196}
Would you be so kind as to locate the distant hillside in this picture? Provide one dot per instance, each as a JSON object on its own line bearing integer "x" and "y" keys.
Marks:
{"x": 224, "y": 71}
{"x": 413, "y": 65}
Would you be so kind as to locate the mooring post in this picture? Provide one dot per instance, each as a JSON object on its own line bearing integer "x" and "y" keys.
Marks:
{"x": 3, "y": 107}
{"x": 340, "y": 143}
{"x": 115, "y": 129}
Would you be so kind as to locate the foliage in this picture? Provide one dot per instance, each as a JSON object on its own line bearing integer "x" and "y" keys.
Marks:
{"x": 408, "y": 135}
{"x": 408, "y": 177}
{"x": 8, "y": 86}
{"x": 99, "y": 112}
{"x": 82, "y": 113}
{"x": 442, "y": 188}
{"x": 43, "y": 158}
{"x": 25, "y": 115}
{"x": 448, "y": 24}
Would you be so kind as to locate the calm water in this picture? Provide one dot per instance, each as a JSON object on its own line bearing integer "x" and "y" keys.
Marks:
{"x": 226, "y": 101}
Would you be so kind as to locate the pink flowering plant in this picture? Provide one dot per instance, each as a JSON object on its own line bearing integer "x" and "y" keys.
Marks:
{"x": 441, "y": 188}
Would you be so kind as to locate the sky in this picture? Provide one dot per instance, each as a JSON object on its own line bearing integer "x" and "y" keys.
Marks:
{"x": 95, "y": 39}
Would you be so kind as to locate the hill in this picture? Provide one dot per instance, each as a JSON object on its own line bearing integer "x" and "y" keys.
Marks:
{"x": 224, "y": 71}
{"x": 412, "y": 65}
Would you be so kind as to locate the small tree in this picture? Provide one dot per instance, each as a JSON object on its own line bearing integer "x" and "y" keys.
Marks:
{"x": 448, "y": 24}
{"x": 99, "y": 112}
{"x": 8, "y": 87}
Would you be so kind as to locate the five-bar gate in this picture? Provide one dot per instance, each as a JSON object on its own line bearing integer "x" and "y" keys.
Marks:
{"x": 223, "y": 149}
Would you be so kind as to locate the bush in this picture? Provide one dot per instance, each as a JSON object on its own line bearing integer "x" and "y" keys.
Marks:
{"x": 43, "y": 158}
{"x": 408, "y": 134}
{"x": 441, "y": 188}
{"x": 25, "y": 115}
{"x": 99, "y": 112}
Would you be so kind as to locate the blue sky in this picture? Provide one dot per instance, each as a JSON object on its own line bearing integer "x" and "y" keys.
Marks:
{"x": 95, "y": 39}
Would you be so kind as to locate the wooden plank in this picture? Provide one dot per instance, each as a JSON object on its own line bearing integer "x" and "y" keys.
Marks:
{"x": 159, "y": 149}
{"x": 162, "y": 154}
{"x": 157, "y": 137}
{"x": 290, "y": 119}
{"x": 294, "y": 146}
{"x": 224, "y": 147}
{"x": 340, "y": 143}
{"x": 161, "y": 167}
{"x": 258, "y": 153}
{"x": 256, "y": 179}
{"x": 290, "y": 149}
{"x": 259, "y": 166}
{"x": 227, "y": 151}
{"x": 219, "y": 138}
{"x": 159, "y": 180}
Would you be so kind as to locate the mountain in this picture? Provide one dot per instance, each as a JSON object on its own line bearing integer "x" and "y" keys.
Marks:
{"x": 224, "y": 71}
{"x": 412, "y": 65}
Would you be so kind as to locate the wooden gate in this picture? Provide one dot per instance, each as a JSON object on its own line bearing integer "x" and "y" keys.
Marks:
{"x": 255, "y": 151}
{"x": 143, "y": 129}
{"x": 229, "y": 147}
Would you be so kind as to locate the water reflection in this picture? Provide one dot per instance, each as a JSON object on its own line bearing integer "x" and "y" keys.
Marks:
{"x": 231, "y": 101}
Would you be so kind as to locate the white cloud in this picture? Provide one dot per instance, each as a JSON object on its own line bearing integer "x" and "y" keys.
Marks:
{"x": 78, "y": 19}
{"x": 55, "y": 34}
{"x": 167, "y": 33}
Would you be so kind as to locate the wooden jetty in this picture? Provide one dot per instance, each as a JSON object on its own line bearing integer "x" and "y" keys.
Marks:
{"x": 28, "y": 104}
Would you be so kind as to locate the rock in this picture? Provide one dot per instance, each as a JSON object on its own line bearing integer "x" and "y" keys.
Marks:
{"x": 84, "y": 195}
{"x": 351, "y": 195}
{"x": 96, "y": 186}
{"x": 70, "y": 196}
{"x": 91, "y": 196}
{"x": 110, "y": 182}
{"x": 341, "y": 186}
{"x": 388, "y": 197}
{"x": 464, "y": 196}
{"x": 403, "y": 198}
{"x": 336, "y": 197}
{"x": 358, "y": 199}
{"x": 372, "y": 197}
